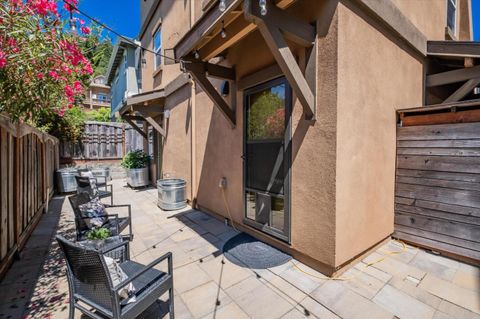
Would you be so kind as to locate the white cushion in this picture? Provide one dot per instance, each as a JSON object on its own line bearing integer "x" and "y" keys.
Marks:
{"x": 118, "y": 275}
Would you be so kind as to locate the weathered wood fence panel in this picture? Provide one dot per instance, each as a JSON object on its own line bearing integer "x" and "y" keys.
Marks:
{"x": 28, "y": 160}
{"x": 437, "y": 191}
{"x": 103, "y": 140}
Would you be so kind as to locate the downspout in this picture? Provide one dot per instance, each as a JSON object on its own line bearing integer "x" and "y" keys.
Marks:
{"x": 193, "y": 127}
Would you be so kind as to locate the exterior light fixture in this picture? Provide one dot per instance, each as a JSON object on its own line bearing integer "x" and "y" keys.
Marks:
{"x": 222, "y": 6}
{"x": 263, "y": 7}
{"x": 196, "y": 54}
{"x": 72, "y": 22}
{"x": 223, "y": 34}
{"x": 476, "y": 90}
{"x": 166, "y": 114}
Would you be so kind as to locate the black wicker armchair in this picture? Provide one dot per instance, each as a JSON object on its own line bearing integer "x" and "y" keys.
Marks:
{"x": 83, "y": 185}
{"x": 115, "y": 224}
{"x": 93, "y": 293}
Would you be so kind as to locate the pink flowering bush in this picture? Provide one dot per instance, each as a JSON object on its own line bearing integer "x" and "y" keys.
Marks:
{"x": 43, "y": 71}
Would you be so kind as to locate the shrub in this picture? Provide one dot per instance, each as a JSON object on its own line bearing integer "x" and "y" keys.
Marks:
{"x": 135, "y": 159}
{"x": 100, "y": 115}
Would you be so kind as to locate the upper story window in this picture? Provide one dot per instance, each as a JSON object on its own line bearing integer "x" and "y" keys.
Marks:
{"x": 452, "y": 15}
{"x": 157, "y": 47}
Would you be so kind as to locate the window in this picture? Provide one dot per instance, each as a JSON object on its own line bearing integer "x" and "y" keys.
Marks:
{"x": 452, "y": 15}
{"x": 157, "y": 47}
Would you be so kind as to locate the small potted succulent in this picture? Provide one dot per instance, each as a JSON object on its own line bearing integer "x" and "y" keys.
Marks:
{"x": 97, "y": 236}
{"x": 136, "y": 164}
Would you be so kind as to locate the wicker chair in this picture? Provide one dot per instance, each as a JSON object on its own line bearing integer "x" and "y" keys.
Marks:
{"x": 83, "y": 185}
{"x": 115, "y": 224}
{"x": 91, "y": 289}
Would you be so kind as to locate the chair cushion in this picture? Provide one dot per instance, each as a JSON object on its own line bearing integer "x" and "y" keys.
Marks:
{"x": 146, "y": 280}
{"x": 127, "y": 293}
{"x": 93, "y": 213}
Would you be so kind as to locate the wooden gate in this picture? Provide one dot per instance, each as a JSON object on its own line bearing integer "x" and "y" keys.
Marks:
{"x": 437, "y": 193}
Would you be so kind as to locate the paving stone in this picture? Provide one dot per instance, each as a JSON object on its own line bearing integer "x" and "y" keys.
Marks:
{"x": 294, "y": 314}
{"x": 467, "y": 279}
{"x": 311, "y": 306}
{"x": 441, "y": 315}
{"x": 438, "y": 267}
{"x": 305, "y": 279}
{"x": 189, "y": 277}
{"x": 362, "y": 283}
{"x": 230, "y": 311}
{"x": 393, "y": 266}
{"x": 224, "y": 272}
{"x": 285, "y": 289}
{"x": 348, "y": 304}
{"x": 243, "y": 287}
{"x": 374, "y": 272}
{"x": 181, "y": 310}
{"x": 455, "y": 311}
{"x": 416, "y": 292}
{"x": 402, "y": 305}
{"x": 462, "y": 297}
{"x": 204, "y": 299}
{"x": 263, "y": 302}
{"x": 398, "y": 251}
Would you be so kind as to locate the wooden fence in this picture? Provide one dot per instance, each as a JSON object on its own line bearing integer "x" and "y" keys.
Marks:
{"x": 437, "y": 203}
{"x": 103, "y": 140}
{"x": 28, "y": 160}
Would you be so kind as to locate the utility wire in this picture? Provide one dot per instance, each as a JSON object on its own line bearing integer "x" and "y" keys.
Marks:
{"x": 118, "y": 34}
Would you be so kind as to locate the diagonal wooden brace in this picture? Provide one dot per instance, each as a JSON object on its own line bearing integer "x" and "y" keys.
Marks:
{"x": 198, "y": 70}
{"x": 271, "y": 29}
{"x": 135, "y": 126}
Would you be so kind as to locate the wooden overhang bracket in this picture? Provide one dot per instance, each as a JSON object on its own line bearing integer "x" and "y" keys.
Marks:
{"x": 200, "y": 70}
{"x": 275, "y": 26}
{"x": 129, "y": 120}
{"x": 153, "y": 123}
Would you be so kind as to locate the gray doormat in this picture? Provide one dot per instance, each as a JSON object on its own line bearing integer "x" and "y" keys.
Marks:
{"x": 246, "y": 251}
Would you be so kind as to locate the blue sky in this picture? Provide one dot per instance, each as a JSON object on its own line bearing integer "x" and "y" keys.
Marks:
{"x": 476, "y": 19}
{"x": 121, "y": 15}
{"x": 124, "y": 15}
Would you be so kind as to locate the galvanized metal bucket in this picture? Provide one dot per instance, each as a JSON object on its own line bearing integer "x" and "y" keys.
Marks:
{"x": 171, "y": 193}
{"x": 137, "y": 177}
{"x": 66, "y": 180}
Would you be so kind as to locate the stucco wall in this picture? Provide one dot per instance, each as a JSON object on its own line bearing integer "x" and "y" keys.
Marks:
{"x": 375, "y": 77}
{"x": 429, "y": 16}
{"x": 177, "y": 146}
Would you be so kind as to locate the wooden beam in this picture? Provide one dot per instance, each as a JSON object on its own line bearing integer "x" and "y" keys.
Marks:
{"x": 134, "y": 117}
{"x": 264, "y": 75}
{"x": 147, "y": 108}
{"x": 442, "y": 118}
{"x": 454, "y": 48}
{"x": 295, "y": 29}
{"x": 453, "y": 76}
{"x": 135, "y": 127}
{"x": 285, "y": 59}
{"x": 154, "y": 124}
{"x": 202, "y": 28}
{"x": 200, "y": 77}
{"x": 219, "y": 71}
{"x": 463, "y": 91}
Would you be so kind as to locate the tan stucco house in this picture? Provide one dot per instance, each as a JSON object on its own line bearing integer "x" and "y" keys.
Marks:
{"x": 97, "y": 95}
{"x": 295, "y": 106}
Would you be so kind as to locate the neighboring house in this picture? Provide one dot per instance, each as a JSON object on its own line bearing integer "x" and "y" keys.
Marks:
{"x": 123, "y": 73}
{"x": 296, "y": 108}
{"x": 98, "y": 94}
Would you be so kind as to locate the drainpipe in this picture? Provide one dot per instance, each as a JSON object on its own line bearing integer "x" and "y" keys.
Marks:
{"x": 193, "y": 127}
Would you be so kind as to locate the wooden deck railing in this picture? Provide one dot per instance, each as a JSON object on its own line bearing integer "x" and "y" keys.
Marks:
{"x": 28, "y": 161}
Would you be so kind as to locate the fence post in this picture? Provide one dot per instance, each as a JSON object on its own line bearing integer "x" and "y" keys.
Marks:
{"x": 124, "y": 141}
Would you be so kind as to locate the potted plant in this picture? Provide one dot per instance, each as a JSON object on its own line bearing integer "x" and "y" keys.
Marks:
{"x": 97, "y": 236}
{"x": 136, "y": 164}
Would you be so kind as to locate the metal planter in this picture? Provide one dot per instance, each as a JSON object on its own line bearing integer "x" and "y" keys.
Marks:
{"x": 137, "y": 177}
{"x": 171, "y": 194}
{"x": 66, "y": 180}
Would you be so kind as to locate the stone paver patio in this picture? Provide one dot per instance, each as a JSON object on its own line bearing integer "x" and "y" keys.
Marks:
{"x": 410, "y": 284}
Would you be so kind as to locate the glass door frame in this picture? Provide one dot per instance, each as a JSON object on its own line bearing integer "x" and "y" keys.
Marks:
{"x": 286, "y": 234}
